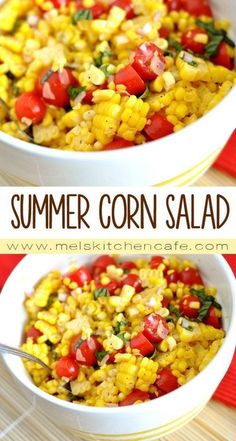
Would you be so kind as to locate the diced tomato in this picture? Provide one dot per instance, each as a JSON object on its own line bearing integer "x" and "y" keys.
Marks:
{"x": 156, "y": 261}
{"x": 128, "y": 265}
{"x": 97, "y": 9}
{"x": 190, "y": 276}
{"x": 190, "y": 40}
{"x": 172, "y": 276}
{"x": 164, "y": 32}
{"x": 165, "y": 302}
{"x": 131, "y": 79}
{"x": 166, "y": 381}
{"x": 86, "y": 352}
{"x": 67, "y": 367}
{"x": 222, "y": 58}
{"x": 59, "y": 3}
{"x": 53, "y": 86}
{"x": 133, "y": 280}
{"x": 112, "y": 286}
{"x": 31, "y": 106}
{"x": 102, "y": 262}
{"x": 155, "y": 328}
{"x": 149, "y": 61}
{"x": 212, "y": 318}
{"x": 158, "y": 126}
{"x": 118, "y": 143}
{"x": 173, "y": 5}
{"x": 141, "y": 343}
{"x": 197, "y": 7}
{"x": 136, "y": 395}
{"x": 33, "y": 333}
{"x": 80, "y": 276}
{"x": 189, "y": 306}
{"x": 126, "y": 5}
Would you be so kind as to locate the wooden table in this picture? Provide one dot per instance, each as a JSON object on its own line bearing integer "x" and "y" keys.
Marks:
{"x": 215, "y": 423}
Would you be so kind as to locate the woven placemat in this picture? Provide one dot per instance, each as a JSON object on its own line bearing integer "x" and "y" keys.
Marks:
{"x": 20, "y": 421}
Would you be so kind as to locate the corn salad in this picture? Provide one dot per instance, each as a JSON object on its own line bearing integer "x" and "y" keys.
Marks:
{"x": 89, "y": 75}
{"x": 119, "y": 333}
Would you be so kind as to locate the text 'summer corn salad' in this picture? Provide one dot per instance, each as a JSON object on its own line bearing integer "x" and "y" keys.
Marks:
{"x": 121, "y": 333}
{"x": 91, "y": 75}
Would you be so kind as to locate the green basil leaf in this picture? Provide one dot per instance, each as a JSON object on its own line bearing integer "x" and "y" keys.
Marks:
{"x": 72, "y": 397}
{"x": 101, "y": 355}
{"x": 46, "y": 76}
{"x": 122, "y": 336}
{"x": 104, "y": 68}
{"x": 174, "y": 44}
{"x": 99, "y": 60}
{"x": 101, "y": 292}
{"x": 83, "y": 14}
{"x": 212, "y": 47}
{"x": 229, "y": 41}
{"x": 77, "y": 344}
{"x": 75, "y": 91}
{"x": 203, "y": 311}
{"x": 118, "y": 326}
{"x": 175, "y": 311}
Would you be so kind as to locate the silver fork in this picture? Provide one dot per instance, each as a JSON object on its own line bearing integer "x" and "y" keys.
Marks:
{"x": 22, "y": 354}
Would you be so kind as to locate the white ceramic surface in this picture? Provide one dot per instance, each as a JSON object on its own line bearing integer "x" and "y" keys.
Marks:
{"x": 149, "y": 419}
{"x": 150, "y": 164}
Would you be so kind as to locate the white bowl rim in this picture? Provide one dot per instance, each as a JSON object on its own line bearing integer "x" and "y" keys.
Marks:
{"x": 50, "y": 152}
{"x": 107, "y": 410}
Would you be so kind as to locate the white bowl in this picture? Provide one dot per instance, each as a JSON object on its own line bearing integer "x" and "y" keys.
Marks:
{"x": 179, "y": 159}
{"x": 142, "y": 422}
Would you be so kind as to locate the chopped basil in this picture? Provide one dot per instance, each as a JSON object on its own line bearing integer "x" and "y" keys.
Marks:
{"x": 169, "y": 320}
{"x": 72, "y": 397}
{"x": 203, "y": 311}
{"x": 122, "y": 336}
{"x": 175, "y": 311}
{"x": 101, "y": 292}
{"x": 15, "y": 90}
{"x": 46, "y": 76}
{"x": 101, "y": 355}
{"x": 75, "y": 91}
{"x": 145, "y": 94}
{"x": 51, "y": 300}
{"x": 212, "y": 47}
{"x": 189, "y": 328}
{"x": 83, "y": 14}
{"x": 192, "y": 63}
{"x": 54, "y": 355}
{"x": 104, "y": 68}
{"x": 175, "y": 44}
{"x": 119, "y": 325}
{"x": 17, "y": 25}
{"x": 204, "y": 298}
{"x": 99, "y": 60}
{"x": 77, "y": 344}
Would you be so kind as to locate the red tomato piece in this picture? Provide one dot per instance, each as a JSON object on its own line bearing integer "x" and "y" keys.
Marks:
{"x": 172, "y": 276}
{"x": 155, "y": 328}
{"x": 164, "y": 32}
{"x": 190, "y": 37}
{"x": 126, "y": 5}
{"x": 165, "y": 302}
{"x": 80, "y": 276}
{"x": 197, "y": 7}
{"x": 67, "y": 367}
{"x": 222, "y": 58}
{"x": 173, "y": 5}
{"x": 31, "y": 106}
{"x": 98, "y": 9}
{"x": 158, "y": 126}
{"x": 102, "y": 262}
{"x": 189, "y": 306}
{"x": 128, "y": 265}
{"x": 141, "y": 343}
{"x": 86, "y": 352}
{"x": 53, "y": 86}
{"x": 212, "y": 318}
{"x": 112, "y": 286}
{"x": 33, "y": 333}
{"x": 166, "y": 381}
{"x": 133, "y": 280}
{"x": 131, "y": 79}
{"x": 156, "y": 261}
{"x": 59, "y": 3}
{"x": 190, "y": 276}
{"x": 149, "y": 61}
{"x": 135, "y": 395}
{"x": 118, "y": 143}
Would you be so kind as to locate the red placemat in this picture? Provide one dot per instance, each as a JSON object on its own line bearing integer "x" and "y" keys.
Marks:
{"x": 226, "y": 162}
{"x": 226, "y": 392}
